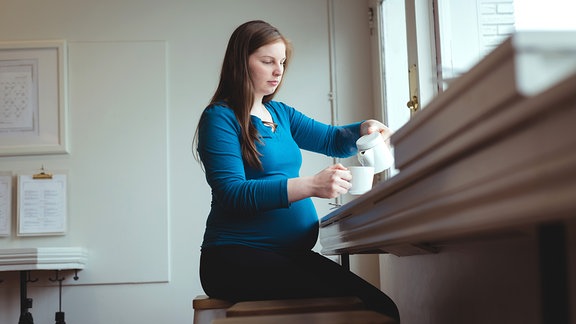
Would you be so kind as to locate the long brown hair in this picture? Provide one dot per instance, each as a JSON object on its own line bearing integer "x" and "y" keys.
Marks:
{"x": 235, "y": 88}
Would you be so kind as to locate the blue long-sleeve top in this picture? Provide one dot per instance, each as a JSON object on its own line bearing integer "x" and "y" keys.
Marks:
{"x": 249, "y": 205}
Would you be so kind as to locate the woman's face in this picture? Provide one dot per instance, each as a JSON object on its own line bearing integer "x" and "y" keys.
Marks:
{"x": 266, "y": 68}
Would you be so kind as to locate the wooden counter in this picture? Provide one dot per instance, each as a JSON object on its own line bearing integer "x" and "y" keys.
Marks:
{"x": 494, "y": 156}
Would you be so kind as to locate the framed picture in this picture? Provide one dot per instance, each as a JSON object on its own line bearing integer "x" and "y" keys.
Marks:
{"x": 33, "y": 98}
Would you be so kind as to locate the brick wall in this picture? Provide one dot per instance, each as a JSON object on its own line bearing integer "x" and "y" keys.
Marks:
{"x": 496, "y": 20}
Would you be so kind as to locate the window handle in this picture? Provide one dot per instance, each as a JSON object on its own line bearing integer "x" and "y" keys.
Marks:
{"x": 413, "y": 105}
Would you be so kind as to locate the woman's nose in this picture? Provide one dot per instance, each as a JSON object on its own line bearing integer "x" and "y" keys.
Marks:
{"x": 279, "y": 69}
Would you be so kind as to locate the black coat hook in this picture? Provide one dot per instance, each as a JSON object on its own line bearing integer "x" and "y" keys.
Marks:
{"x": 57, "y": 278}
{"x": 28, "y": 277}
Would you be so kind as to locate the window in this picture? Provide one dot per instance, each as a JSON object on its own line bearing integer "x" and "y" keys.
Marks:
{"x": 423, "y": 45}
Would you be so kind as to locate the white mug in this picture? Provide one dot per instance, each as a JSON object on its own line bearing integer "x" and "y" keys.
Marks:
{"x": 373, "y": 151}
{"x": 362, "y": 179}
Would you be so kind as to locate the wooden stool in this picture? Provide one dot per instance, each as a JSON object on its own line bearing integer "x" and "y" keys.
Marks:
{"x": 292, "y": 306}
{"x": 346, "y": 317}
{"x": 207, "y": 309}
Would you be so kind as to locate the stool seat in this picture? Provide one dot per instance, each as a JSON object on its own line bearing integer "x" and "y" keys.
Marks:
{"x": 291, "y": 306}
{"x": 207, "y": 309}
{"x": 344, "y": 317}
{"x": 205, "y": 302}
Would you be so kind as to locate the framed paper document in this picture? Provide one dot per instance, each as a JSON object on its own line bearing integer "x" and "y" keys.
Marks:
{"x": 42, "y": 204}
{"x": 5, "y": 203}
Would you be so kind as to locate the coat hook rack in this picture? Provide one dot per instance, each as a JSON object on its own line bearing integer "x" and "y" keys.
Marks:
{"x": 26, "y": 303}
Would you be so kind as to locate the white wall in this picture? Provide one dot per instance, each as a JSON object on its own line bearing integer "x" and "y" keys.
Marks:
{"x": 140, "y": 72}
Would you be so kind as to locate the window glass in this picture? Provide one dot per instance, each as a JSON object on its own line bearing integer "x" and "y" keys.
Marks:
{"x": 395, "y": 62}
{"x": 545, "y": 15}
{"x": 469, "y": 30}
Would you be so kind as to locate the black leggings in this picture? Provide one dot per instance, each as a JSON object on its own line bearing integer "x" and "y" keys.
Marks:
{"x": 240, "y": 273}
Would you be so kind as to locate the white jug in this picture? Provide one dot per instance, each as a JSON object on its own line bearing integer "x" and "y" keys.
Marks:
{"x": 373, "y": 151}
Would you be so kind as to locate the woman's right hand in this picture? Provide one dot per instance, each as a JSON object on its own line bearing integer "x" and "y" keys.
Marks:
{"x": 328, "y": 183}
{"x": 332, "y": 181}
